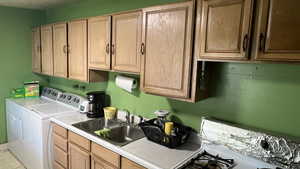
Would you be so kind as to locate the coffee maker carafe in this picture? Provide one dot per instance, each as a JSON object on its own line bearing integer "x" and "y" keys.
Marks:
{"x": 96, "y": 104}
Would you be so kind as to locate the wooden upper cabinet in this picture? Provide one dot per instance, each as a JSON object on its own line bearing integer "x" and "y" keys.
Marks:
{"x": 77, "y": 40}
{"x": 78, "y": 158}
{"x": 60, "y": 51}
{"x": 167, "y": 49}
{"x": 36, "y": 50}
{"x": 278, "y": 34}
{"x": 126, "y": 42}
{"x": 225, "y": 29}
{"x": 99, "y": 42}
{"x": 47, "y": 49}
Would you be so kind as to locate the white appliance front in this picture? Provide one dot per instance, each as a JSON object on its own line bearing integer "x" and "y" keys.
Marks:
{"x": 29, "y": 132}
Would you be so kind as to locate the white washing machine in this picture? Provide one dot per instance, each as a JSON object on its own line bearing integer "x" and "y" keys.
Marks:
{"x": 16, "y": 110}
{"x": 29, "y": 132}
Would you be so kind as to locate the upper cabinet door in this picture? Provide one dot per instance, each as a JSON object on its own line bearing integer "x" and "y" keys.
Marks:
{"x": 60, "y": 53}
{"x": 99, "y": 42}
{"x": 278, "y": 35}
{"x": 36, "y": 50}
{"x": 225, "y": 29}
{"x": 47, "y": 50}
{"x": 167, "y": 50}
{"x": 77, "y": 40}
{"x": 126, "y": 42}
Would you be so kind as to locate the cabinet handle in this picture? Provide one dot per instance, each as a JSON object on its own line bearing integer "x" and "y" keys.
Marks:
{"x": 112, "y": 49}
{"x": 107, "y": 48}
{"x": 65, "y": 49}
{"x": 245, "y": 43}
{"x": 143, "y": 49}
{"x": 261, "y": 42}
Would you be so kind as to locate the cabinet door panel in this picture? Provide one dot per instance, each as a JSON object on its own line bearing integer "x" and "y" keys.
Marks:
{"x": 60, "y": 54}
{"x": 47, "y": 50}
{"x": 36, "y": 50}
{"x": 279, "y": 30}
{"x": 98, "y": 163}
{"x": 99, "y": 42}
{"x": 126, "y": 42}
{"x": 78, "y": 159}
{"x": 77, "y": 40}
{"x": 128, "y": 164}
{"x": 225, "y": 29}
{"x": 166, "y": 61}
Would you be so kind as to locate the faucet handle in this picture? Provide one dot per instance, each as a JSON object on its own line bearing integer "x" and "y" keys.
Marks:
{"x": 141, "y": 119}
{"x": 127, "y": 116}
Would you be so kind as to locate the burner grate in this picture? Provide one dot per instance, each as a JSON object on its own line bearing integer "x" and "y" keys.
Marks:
{"x": 205, "y": 160}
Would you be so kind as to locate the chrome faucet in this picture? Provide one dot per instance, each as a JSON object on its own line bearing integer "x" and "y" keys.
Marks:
{"x": 127, "y": 117}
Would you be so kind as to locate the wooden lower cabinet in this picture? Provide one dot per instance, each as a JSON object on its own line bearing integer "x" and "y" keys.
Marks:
{"x": 72, "y": 151}
{"x": 78, "y": 158}
{"x": 60, "y": 157}
{"x": 57, "y": 166}
{"x": 98, "y": 163}
{"x": 128, "y": 164}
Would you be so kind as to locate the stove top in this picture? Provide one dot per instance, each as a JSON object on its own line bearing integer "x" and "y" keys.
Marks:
{"x": 227, "y": 146}
{"x": 206, "y": 160}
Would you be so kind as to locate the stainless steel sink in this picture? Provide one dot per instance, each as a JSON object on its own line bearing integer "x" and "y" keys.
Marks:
{"x": 119, "y": 133}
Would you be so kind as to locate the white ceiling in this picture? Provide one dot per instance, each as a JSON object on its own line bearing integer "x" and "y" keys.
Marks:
{"x": 34, "y": 4}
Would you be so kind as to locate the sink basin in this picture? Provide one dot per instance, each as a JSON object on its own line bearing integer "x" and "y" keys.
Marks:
{"x": 119, "y": 133}
{"x": 125, "y": 134}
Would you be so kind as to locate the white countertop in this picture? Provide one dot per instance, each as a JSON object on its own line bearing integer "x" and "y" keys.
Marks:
{"x": 143, "y": 151}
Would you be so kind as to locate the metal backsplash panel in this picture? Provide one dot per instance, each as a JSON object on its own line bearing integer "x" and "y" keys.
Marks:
{"x": 272, "y": 149}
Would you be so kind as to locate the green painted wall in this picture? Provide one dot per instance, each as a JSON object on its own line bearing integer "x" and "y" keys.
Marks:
{"x": 15, "y": 53}
{"x": 263, "y": 96}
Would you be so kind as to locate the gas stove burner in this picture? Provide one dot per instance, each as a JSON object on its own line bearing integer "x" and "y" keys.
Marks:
{"x": 208, "y": 161}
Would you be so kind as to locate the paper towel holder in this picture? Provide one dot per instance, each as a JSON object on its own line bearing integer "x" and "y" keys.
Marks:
{"x": 134, "y": 82}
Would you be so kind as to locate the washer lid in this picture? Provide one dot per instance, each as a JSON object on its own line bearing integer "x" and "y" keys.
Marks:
{"x": 51, "y": 109}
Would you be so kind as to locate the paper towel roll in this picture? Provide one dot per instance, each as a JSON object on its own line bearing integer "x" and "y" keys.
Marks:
{"x": 126, "y": 83}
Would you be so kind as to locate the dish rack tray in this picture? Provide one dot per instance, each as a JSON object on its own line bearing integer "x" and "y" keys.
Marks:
{"x": 156, "y": 134}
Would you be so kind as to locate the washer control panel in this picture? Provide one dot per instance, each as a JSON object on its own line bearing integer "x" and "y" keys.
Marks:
{"x": 51, "y": 93}
{"x": 71, "y": 99}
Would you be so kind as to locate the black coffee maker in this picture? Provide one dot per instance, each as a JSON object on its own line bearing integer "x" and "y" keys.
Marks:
{"x": 96, "y": 104}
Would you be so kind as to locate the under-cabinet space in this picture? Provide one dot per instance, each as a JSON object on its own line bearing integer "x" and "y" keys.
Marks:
{"x": 167, "y": 50}
{"x": 225, "y": 27}
{"x": 36, "y": 50}
{"x": 60, "y": 50}
{"x": 47, "y": 50}
{"x": 277, "y": 35}
{"x": 126, "y": 42}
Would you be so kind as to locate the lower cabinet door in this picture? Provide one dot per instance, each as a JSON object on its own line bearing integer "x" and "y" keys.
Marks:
{"x": 98, "y": 163}
{"x": 78, "y": 158}
{"x": 60, "y": 156}
{"x": 57, "y": 166}
{"x": 128, "y": 164}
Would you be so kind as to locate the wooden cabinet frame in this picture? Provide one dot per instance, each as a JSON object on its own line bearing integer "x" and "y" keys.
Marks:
{"x": 98, "y": 45}
{"x": 129, "y": 54}
{"x": 262, "y": 45}
{"x": 242, "y": 44}
{"x": 47, "y": 49}
{"x": 183, "y": 90}
{"x": 60, "y": 50}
